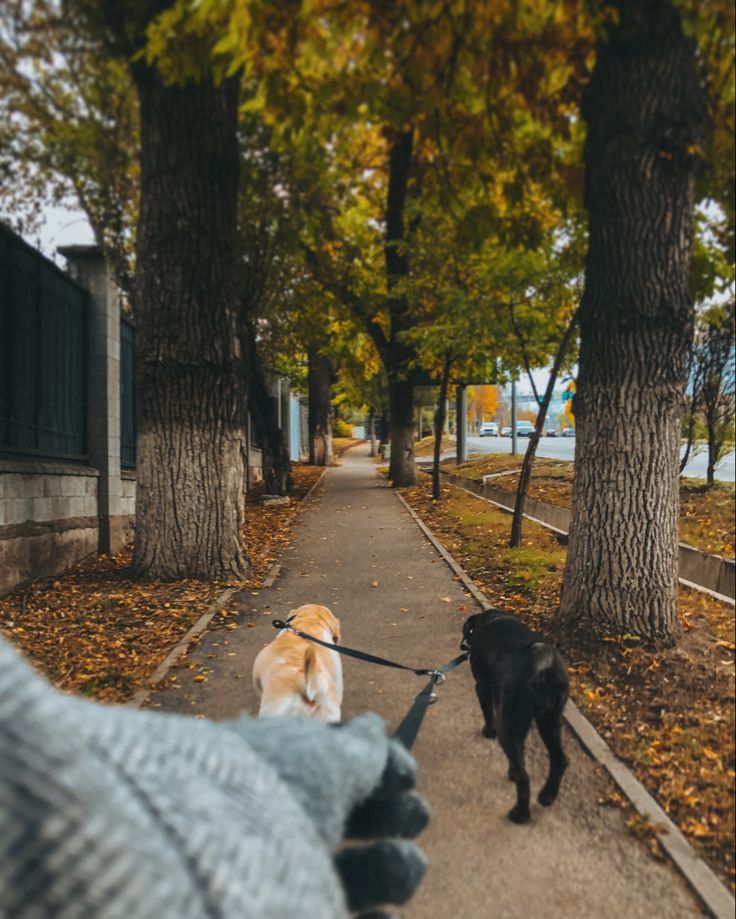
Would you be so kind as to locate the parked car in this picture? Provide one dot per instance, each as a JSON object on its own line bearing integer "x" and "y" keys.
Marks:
{"x": 524, "y": 429}
{"x": 488, "y": 429}
{"x": 568, "y": 432}
{"x": 505, "y": 432}
{"x": 551, "y": 432}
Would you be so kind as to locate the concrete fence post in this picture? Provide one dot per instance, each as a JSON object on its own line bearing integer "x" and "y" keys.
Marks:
{"x": 87, "y": 266}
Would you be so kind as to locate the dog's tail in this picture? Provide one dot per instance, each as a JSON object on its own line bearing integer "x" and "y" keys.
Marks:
{"x": 549, "y": 679}
{"x": 316, "y": 676}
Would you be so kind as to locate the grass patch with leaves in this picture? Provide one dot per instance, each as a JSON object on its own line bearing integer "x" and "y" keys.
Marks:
{"x": 425, "y": 446}
{"x": 707, "y": 519}
{"x": 96, "y": 631}
{"x": 669, "y": 715}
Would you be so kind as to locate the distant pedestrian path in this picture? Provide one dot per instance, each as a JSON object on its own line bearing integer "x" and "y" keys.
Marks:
{"x": 358, "y": 551}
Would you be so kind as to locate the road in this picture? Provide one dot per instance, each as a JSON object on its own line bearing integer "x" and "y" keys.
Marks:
{"x": 564, "y": 448}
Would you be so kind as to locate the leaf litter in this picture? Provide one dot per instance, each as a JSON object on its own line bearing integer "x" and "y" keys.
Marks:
{"x": 96, "y": 631}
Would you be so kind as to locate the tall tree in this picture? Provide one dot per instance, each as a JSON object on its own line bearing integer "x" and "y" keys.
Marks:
{"x": 321, "y": 376}
{"x": 190, "y": 359}
{"x": 191, "y": 362}
{"x": 647, "y": 130}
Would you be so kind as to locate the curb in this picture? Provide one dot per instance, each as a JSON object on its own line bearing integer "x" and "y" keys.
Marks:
{"x": 315, "y": 485}
{"x": 703, "y": 881}
{"x": 140, "y": 697}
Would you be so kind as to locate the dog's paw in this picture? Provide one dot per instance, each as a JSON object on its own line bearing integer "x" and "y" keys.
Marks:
{"x": 547, "y": 796}
{"x": 489, "y": 732}
{"x": 519, "y": 814}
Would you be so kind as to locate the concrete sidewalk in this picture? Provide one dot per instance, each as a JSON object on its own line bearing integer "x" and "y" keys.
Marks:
{"x": 574, "y": 860}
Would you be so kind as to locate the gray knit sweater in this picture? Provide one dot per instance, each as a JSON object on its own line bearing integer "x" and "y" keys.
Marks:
{"x": 121, "y": 814}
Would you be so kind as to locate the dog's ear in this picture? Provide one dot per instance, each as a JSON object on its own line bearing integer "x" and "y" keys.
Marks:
{"x": 332, "y": 623}
{"x": 469, "y": 625}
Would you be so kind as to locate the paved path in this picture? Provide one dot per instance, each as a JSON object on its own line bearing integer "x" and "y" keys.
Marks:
{"x": 574, "y": 860}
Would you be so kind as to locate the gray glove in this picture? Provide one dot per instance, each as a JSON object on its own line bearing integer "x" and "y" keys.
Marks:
{"x": 332, "y": 785}
{"x": 110, "y": 813}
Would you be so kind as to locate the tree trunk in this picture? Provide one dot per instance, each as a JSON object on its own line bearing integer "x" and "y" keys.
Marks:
{"x": 383, "y": 421}
{"x": 402, "y": 470}
{"x": 646, "y": 130}
{"x": 276, "y": 460}
{"x": 531, "y": 450}
{"x": 713, "y": 451}
{"x": 439, "y": 426}
{"x": 372, "y": 433}
{"x": 690, "y": 438}
{"x": 191, "y": 367}
{"x": 319, "y": 377}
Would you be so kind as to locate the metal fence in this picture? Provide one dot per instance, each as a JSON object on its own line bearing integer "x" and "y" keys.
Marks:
{"x": 42, "y": 355}
{"x": 127, "y": 394}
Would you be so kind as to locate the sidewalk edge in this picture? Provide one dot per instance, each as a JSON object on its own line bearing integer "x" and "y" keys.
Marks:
{"x": 704, "y": 882}
{"x": 140, "y": 697}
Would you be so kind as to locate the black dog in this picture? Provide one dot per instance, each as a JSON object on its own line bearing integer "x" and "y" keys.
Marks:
{"x": 519, "y": 677}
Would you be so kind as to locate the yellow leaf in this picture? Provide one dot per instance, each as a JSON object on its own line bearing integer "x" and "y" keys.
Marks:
{"x": 200, "y": 678}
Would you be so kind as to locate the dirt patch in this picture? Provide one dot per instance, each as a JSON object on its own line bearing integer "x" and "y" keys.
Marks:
{"x": 96, "y": 631}
{"x": 669, "y": 715}
{"x": 706, "y": 512}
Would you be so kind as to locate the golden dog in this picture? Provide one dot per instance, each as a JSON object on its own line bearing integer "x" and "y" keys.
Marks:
{"x": 293, "y": 676}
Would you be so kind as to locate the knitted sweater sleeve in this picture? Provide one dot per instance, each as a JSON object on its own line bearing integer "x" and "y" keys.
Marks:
{"x": 113, "y": 813}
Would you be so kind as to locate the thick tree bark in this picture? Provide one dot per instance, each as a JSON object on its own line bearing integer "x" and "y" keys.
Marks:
{"x": 191, "y": 368}
{"x": 276, "y": 460}
{"x": 319, "y": 379}
{"x": 531, "y": 451}
{"x": 402, "y": 470}
{"x": 646, "y": 129}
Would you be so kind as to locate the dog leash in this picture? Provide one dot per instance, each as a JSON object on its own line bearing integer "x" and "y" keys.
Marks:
{"x": 407, "y": 731}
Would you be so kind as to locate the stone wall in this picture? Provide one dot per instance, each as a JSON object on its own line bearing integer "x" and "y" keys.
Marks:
{"x": 48, "y": 519}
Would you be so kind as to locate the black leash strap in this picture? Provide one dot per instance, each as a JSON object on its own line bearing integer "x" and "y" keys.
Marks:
{"x": 406, "y": 732}
{"x": 409, "y": 728}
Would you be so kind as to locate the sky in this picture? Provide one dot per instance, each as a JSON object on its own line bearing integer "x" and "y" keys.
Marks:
{"x": 62, "y": 227}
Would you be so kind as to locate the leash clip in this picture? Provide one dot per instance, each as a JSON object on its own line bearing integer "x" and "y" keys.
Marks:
{"x": 438, "y": 677}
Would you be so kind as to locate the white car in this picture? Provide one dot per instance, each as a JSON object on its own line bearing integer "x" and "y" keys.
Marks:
{"x": 568, "y": 432}
{"x": 488, "y": 429}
